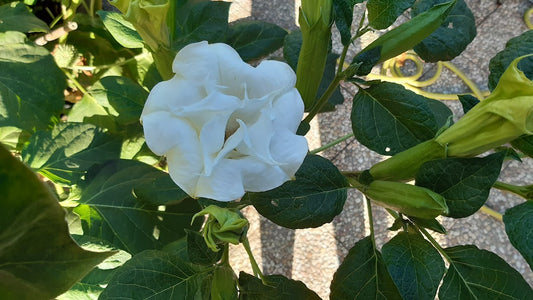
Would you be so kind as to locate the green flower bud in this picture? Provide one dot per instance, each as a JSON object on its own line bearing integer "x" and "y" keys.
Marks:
{"x": 149, "y": 17}
{"x": 504, "y": 116}
{"x": 408, "y": 199}
{"x": 315, "y": 22}
{"x": 222, "y": 226}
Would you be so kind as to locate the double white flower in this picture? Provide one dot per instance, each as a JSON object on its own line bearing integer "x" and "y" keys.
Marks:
{"x": 225, "y": 126}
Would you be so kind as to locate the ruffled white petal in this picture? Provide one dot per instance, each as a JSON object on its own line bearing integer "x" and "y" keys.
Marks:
{"x": 225, "y": 126}
{"x": 163, "y": 131}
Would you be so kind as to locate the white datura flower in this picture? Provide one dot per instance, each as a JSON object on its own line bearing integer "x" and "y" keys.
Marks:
{"x": 226, "y": 127}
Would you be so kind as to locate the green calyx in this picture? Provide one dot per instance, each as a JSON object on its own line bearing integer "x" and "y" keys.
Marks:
{"x": 222, "y": 226}
{"x": 408, "y": 199}
{"x": 315, "y": 22}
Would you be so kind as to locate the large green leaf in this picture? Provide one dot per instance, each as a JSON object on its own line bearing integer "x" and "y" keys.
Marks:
{"x": 120, "y": 205}
{"x": 382, "y": 13}
{"x": 39, "y": 259}
{"x": 480, "y": 274}
{"x": 343, "y": 15}
{"x": 524, "y": 144}
{"x": 156, "y": 274}
{"x": 15, "y": 16}
{"x": 255, "y": 39}
{"x": 515, "y": 47}
{"x": 518, "y": 223}
{"x": 389, "y": 119}
{"x": 279, "y": 287}
{"x": 452, "y": 37}
{"x": 464, "y": 182}
{"x": 121, "y": 29}
{"x": 31, "y": 84}
{"x": 198, "y": 251}
{"x": 291, "y": 48}
{"x": 414, "y": 265}
{"x": 206, "y": 21}
{"x": 69, "y": 150}
{"x": 363, "y": 275}
{"x": 313, "y": 198}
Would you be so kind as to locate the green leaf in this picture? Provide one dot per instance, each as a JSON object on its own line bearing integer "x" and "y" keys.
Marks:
{"x": 407, "y": 35}
{"x": 468, "y": 102}
{"x": 121, "y": 206}
{"x": 159, "y": 275}
{"x": 292, "y": 47}
{"x": 15, "y": 16}
{"x": 224, "y": 284}
{"x": 382, "y": 13}
{"x": 414, "y": 265}
{"x": 389, "y": 119}
{"x": 480, "y": 274}
{"x": 39, "y": 258}
{"x": 13, "y": 138}
{"x": 31, "y": 84}
{"x": 363, "y": 275}
{"x": 206, "y": 21}
{"x": 313, "y": 198}
{"x": 69, "y": 150}
{"x": 464, "y": 182}
{"x": 452, "y": 37}
{"x": 518, "y": 222}
{"x": 515, "y": 47}
{"x": 431, "y": 224}
{"x": 279, "y": 287}
{"x": 121, "y": 29}
{"x": 524, "y": 144}
{"x": 255, "y": 39}
{"x": 441, "y": 112}
{"x": 343, "y": 15}
{"x": 198, "y": 251}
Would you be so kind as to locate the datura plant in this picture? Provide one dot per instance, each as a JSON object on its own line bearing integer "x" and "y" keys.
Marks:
{"x": 132, "y": 136}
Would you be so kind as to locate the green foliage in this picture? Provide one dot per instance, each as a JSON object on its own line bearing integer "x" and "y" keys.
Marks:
{"x": 69, "y": 150}
{"x": 198, "y": 251}
{"x": 15, "y": 16}
{"x": 278, "y": 287}
{"x": 31, "y": 85}
{"x": 464, "y": 182}
{"x": 314, "y": 198}
{"x": 120, "y": 205}
{"x": 343, "y": 16}
{"x": 468, "y": 102}
{"x": 382, "y": 13}
{"x": 414, "y": 265}
{"x": 255, "y": 39}
{"x": 452, "y": 37}
{"x": 363, "y": 275}
{"x": 407, "y": 35}
{"x": 514, "y": 48}
{"x": 39, "y": 259}
{"x": 518, "y": 222}
{"x": 206, "y": 20}
{"x": 121, "y": 29}
{"x": 389, "y": 119}
{"x": 161, "y": 275}
{"x": 480, "y": 274}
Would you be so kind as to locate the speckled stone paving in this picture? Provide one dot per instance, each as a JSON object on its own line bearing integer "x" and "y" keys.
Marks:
{"x": 313, "y": 255}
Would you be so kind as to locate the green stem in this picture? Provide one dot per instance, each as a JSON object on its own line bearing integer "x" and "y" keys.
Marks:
{"x": 225, "y": 255}
{"x": 323, "y": 100}
{"x": 76, "y": 83}
{"x": 521, "y": 191}
{"x": 370, "y": 221}
{"x": 433, "y": 242}
{"x": 331, "y": 144}
{"x": 255, "y": 267}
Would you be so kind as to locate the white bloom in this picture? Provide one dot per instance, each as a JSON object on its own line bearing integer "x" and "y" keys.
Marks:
{"x": 225, "y": 126}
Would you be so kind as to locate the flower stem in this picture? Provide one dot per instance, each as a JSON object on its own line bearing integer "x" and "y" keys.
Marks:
{"x": 331, "y": 144}
{"x": 491, "y": 212}
{"x": 521, "y": 191}
{"x": 370, "y": 221}
{"x": 323, "y": 100}
{"x": 225, "y": 255}
{"x": 433, "y": 242}
{"x": 255, "y": 267}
